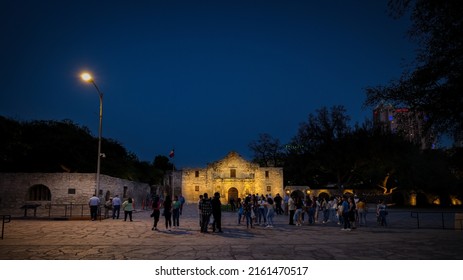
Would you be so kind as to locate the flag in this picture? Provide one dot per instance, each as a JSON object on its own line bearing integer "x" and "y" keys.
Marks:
{"x": 171, "y": 154}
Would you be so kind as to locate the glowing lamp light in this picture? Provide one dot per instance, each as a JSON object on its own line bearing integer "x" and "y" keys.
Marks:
{"x": 86, "y": 77}
{"x": 456, "y": 201}
{"x": 413, "y": 199}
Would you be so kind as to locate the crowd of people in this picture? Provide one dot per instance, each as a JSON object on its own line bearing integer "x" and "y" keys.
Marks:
{"x": 348, "y": 211}
{"x": 253, "y": 210}
{"x": 113, "y": 205}
{"x": 170, "y": 209}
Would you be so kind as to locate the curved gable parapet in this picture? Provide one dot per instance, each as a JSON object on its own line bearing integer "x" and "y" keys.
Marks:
{"x": 232, "y": 160}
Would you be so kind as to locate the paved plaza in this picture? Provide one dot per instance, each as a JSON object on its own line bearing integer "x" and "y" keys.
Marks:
{"x": 108, "y": 239}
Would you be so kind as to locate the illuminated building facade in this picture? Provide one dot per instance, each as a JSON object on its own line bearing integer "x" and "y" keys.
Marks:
{"x": 231, "y": 176}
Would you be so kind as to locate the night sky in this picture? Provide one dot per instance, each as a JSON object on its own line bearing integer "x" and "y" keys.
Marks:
{"x": 203, "y": 77}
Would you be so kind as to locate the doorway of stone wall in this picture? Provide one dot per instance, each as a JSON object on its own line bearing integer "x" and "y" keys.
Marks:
{"x": 232, "y": 198}
{"x": 232, "y": 193}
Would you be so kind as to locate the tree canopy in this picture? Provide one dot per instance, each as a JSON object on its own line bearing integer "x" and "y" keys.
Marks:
{"x": 267, "y": 150}
{"x": 63, "y": 146}
{"x": 328, "y": 151}
{"x": 433, "y": 84}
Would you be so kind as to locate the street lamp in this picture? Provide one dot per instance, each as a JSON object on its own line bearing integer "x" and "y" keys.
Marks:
{"x": 88, "y": 78}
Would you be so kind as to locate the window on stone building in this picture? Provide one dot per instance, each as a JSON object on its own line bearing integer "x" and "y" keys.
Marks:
{"x": 39, "y": 192}
{"x": 269, "y": 188}
{"x": 266, "y": 174}
{"x": 232, "y": 173}
{"x": 71, "y": 191}
{"x": 196, "y": 188}
{"x": 196, "y": 174}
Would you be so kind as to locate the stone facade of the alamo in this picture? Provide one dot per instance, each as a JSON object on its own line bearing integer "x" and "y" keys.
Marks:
{"x": 231, "y": 176}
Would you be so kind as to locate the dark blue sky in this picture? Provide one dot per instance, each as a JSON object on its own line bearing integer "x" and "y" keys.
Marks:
{"x": 205, "y": 77}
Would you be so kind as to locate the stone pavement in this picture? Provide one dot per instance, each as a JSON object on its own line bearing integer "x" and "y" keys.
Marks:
{"x": 115, "y": 239}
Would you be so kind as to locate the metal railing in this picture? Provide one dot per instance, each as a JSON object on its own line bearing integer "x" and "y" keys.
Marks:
{"x": 5, "y": 219}
{"x": 70, "y": 210}
{"x": 438, "y": 219}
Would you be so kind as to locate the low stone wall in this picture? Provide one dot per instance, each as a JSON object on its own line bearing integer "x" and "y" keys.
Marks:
{"x": 64, "y": 188}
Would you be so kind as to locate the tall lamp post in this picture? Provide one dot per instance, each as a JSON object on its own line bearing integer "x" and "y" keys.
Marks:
{"x": 88, "y": 78}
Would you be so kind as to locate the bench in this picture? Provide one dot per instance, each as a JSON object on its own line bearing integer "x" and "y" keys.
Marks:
{"x": 30, "y": 206}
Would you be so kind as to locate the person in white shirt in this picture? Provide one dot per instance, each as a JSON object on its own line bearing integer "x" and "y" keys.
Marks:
{"x": 116, "y": 206}
{"x": 270, "y": 210}
{"x": 94, "y": 202}
{"x": 292, "y": 210}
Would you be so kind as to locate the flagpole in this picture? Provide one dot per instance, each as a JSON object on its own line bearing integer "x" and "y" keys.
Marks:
{"x": 172, "y": 155}
{"x": 172, "y": 178}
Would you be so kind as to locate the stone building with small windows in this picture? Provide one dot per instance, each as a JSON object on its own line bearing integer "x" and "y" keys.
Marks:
{"x": 231, "y": 176}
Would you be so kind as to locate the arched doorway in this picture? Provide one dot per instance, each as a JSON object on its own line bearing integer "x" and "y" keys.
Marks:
{"x": 232, "y": 193}
{"x": 39, "y": 193}
{"x": 297, "y": 193}
{"x": 324, "y": 195}
{"x": 347, "y": 194}
{"x": 421, "y": 199}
